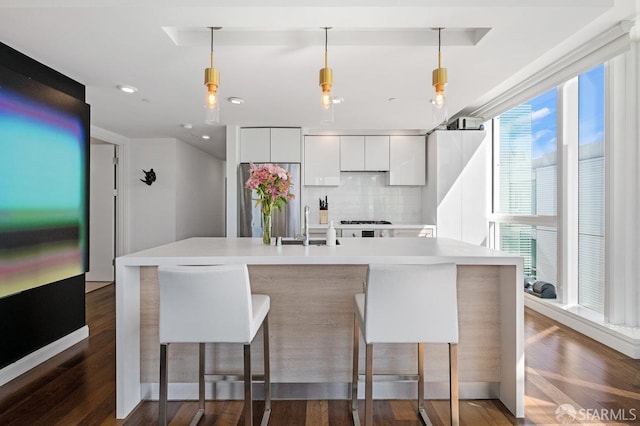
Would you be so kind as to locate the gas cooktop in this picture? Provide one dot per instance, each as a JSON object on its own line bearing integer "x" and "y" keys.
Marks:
{"x": 365, "y": 222}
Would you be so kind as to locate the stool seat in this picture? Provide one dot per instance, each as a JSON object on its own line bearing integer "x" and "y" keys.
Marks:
{"x": 211, "y": 304}
{"x": 406, "y": 304}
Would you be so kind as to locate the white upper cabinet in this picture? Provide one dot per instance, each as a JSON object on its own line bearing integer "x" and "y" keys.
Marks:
{"x": 352, "y": 153}
{"x": 322, "y": 160}
{"x": 364, "y": 153}
{"x": 255, "y": 145}
{"x": 264, "y": 144}
{"x": 285, "y": 145}
{"x": 376, "y": 153}
{"x": 407, "y": 160}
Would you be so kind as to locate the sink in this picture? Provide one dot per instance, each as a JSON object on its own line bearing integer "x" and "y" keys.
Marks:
{"x": 311, "y": 242}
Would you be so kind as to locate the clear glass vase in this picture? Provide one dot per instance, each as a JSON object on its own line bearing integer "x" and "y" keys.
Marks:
{"x": 266, "y": 228}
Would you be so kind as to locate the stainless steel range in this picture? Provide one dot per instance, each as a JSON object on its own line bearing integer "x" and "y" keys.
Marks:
{"x": 365, "y": 222}
{"x": 361, "y": 229}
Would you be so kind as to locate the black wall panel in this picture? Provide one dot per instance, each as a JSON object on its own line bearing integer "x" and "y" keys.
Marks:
{"x": 20, "y": 63}
{"x": 37, "y": 317}
{"x": 34, "y": 318}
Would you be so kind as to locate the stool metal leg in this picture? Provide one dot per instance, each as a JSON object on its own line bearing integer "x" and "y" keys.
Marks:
{"x": 354, "y": 377}
{"x": 267, "y": 374}
{"x": 453, "y": 384}
{"x": 196, "y": 417}
{"x": 421, "y": 410}
{"x": 162, "y": 400}
{"x": 368, "y": 387}
{"x": 248, "y": 396}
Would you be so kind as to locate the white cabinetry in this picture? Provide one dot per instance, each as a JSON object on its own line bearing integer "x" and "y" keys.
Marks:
{"x": 407, "y": 160}
{"x": 264, "y": 144}
{"x": 255, "y": 145}
{"x": 376, "y": 153}
{"x": 285, "y": 145}
{"x": 322, "y": 160}
{"x": 457, "y": 195}
{"x": 364, "y": 153}
{"x": 352, "y": 153}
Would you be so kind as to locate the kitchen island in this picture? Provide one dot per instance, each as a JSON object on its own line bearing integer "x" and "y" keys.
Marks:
{"x": 311, "y": 321}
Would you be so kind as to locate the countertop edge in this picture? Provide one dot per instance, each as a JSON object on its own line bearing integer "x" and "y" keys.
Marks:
{"x": 199, "y": 251}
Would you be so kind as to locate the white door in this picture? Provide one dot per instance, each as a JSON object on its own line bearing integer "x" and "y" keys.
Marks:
{"x": 101, "y": 213}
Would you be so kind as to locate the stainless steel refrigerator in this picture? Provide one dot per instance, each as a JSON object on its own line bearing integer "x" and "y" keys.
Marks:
{"x": 285, "y": 222}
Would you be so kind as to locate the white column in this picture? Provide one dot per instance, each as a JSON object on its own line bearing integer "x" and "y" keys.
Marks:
{"x": 233, "y": 156}
{"x": 568, "y": 193}
{"x": 622, "y": 184}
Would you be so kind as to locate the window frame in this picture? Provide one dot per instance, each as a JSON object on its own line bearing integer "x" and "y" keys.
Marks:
{"x": 565, "y": 221}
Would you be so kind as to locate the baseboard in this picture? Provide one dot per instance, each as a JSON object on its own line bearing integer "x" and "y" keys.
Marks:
{"x": 308, "y": 391}
{"x": 623, "y": 339}
{"x": 30, "y": 361}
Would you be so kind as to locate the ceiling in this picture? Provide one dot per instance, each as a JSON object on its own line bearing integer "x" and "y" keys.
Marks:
{"x": 382, "y": 54}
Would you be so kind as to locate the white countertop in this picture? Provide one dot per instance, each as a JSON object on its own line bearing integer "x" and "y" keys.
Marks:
{"x": 201, "y": 250}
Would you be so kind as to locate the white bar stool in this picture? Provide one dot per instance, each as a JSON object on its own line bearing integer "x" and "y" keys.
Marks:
{"x": 212, "y": 304}
{"x": 406, "y": 304}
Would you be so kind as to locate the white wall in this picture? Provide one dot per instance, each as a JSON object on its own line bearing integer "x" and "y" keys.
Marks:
{"x": 200, "y": 199}
{"x": 186, "y": 200}
{"x": 152, "y": 209}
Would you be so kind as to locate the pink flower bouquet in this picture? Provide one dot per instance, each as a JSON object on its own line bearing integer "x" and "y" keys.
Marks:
{"x": 273, "y": 185}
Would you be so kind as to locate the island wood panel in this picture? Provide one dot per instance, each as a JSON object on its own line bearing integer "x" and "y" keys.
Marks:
{"x": 311, "y": 328}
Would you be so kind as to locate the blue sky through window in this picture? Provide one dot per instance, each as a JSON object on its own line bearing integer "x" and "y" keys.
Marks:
{"x": 544, "y": 124}
{"x": 591, "y": 106}
{"x": 544, "y": 128}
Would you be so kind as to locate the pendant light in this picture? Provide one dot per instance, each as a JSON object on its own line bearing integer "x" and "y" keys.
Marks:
{"x": 212, "y": 81}
{"x": 439, "y": 80}
{"x": 326, "y": 77}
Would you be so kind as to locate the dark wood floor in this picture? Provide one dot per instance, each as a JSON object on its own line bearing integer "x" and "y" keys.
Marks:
{"x": 77, "y": 387}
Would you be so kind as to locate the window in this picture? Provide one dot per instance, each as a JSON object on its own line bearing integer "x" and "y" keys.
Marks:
{"x": 591, "y": 189}
{"x": 525, "y": 186}
{"x": 525, "y": 150}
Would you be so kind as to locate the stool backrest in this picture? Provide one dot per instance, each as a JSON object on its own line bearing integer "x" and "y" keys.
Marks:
{"x": 204, "y": 304}
{"x": 411, "y": 304}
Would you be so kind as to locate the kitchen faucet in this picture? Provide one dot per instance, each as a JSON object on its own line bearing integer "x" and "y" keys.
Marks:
{"x": 305, "y": 242}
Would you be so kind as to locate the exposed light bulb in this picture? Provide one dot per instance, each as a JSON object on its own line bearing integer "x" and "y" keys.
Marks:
{"x": 327, "y": 100}
{"x": 212, "y": 98}
{"x": 439, "y": 100}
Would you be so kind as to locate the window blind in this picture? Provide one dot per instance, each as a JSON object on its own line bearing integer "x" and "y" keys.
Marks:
{"x": 546, "y": 254}
{"x": 591, "y": 233}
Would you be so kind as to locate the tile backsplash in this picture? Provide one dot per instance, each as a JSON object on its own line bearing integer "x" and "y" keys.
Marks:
{"x": 365, "y": 196}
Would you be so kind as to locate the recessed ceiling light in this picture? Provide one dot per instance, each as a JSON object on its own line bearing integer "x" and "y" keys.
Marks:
{"x": 187, "y": 125}
{"x": 127, "y": 89}
{"x": 235, "y": 100}
{"x": 206, "y": 137}
{"x": 338, "y": 100}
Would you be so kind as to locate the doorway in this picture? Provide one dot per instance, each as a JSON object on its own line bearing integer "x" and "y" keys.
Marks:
{"x": 102, "y": 217}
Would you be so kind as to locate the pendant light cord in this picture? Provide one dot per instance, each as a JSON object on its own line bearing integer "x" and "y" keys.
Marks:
{"x": 211, "y": 47}
{"x": 439, "y": 62}
{"x": 326, "y": 55}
